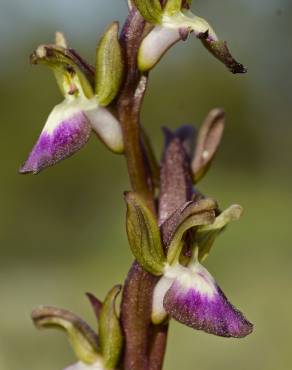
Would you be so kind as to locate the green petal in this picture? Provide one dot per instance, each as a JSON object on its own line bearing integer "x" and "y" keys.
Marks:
{"x": 200, "y": 213}
{"x": 206, "y": 235}
{"x": 72, "y": 75}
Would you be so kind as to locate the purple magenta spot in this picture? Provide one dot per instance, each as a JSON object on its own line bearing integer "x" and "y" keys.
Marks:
{"x": 204, "y": 277}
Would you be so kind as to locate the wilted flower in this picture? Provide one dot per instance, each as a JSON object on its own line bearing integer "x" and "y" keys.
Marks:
{"x": 86, "y": 93}
{"x": 174, "y": 22}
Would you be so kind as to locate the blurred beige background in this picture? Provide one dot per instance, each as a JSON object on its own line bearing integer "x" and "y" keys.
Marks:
{"x": 62, "y": 232}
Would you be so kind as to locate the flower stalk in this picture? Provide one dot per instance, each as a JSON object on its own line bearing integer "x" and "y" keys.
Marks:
{"x": 171, "y": 225}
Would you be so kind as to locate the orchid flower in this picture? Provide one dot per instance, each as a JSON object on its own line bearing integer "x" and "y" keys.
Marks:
{"x": 86, "y": 95}
{"x": 186, "y": 292}
{"x": 173, "y": 22}
{"x": 94, "y": 352}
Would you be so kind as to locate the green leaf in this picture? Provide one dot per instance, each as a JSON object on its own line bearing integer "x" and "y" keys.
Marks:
{"x": 206, "y": 235}
{"x": 193, "y": 217}
{"x": 144, "y": 234}
{"x": 110, "y": 333}
{"x": 109, "y": 66}
{"x": 83, "y": 339}
{"x": 150, "y": 10}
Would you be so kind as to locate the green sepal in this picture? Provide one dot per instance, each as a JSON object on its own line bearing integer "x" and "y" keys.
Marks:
{"x": 109, "y": 66}
{"x": 110, "y": 333}
{"x": 144, "y": 234}
{"x": 150, "y": 10}
{"x": 67, "y": 69}
{"x": 206, "y": 235}
{"x": 205, "y": 216}
{"x": 173, "y": 6}
{"x": 207, "y": 143}
{"x": 83, "y": 339}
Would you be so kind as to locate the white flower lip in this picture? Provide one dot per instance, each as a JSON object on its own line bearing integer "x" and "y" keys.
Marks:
{"x": 82, "y": 366}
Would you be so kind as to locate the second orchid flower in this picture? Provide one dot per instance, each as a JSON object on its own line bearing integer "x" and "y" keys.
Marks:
{"x": 87, "y": 92}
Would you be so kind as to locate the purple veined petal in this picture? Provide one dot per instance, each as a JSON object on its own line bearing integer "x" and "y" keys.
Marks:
{"x": 156, "y": 44}
{"x": 66, "y": 131}
{"x": 107, "y": 127}
{"x": 82, "y": 366}
{"x": 194, "y": 299}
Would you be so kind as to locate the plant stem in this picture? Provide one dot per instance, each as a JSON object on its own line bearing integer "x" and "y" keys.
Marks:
{"x": 144, "y": 343}
{"x": 129, "y": 107}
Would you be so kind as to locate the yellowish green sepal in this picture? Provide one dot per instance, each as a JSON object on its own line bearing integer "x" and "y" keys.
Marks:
{"x": 144, "y": 235}
{"x": 110, "y": 333}
{"x": 150, "y": 10}
{"x": 109, "y": 66}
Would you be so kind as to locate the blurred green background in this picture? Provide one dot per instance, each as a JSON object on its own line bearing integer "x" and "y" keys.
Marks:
{"x": 62, "y": 232}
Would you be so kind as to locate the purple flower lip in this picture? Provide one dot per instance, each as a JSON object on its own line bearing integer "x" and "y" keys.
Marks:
{"x": 67, "y": 130}
{"x": 62, "y": 136}
{"x": 191, "y": 296}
